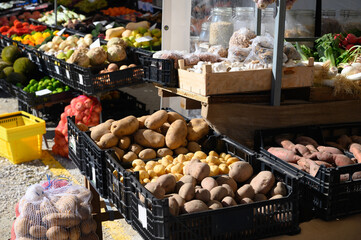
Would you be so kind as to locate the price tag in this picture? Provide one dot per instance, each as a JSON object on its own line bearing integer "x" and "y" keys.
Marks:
{"x": 72, "y": 144}
{"x": 144, "y": 39}
{"x": 81, "y": 80}
{"x": 67, "y": 73}
{"x": 42, "y": 92}
{"x": 101, "y": 22}
{"x": 37, "y": 59}
{"x": 95, "y": 44}
{"x": 110, "y": 25}
{"x": 61, "y": 32}
{"x": 30, "y": 57}
{"x": 142, "y": 215}
{"x": 57, "y": 69}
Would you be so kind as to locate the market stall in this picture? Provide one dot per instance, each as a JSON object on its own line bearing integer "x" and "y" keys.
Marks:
{"x": 255, "y": 137}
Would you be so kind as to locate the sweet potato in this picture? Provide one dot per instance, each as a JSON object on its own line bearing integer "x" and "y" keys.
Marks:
{"x": 342, "y": 160}
{"x": 308, "y": 166}
{"x": 296, "y": 166}
{"x": 284, "y": 154}
{"x": 356, "y": 176}
{"x": 306, "y": 140}
{"x": 302, "y": 150}
{"x": 336, "y": 145}
{"x": 355, "y": 148}
{"x": 311, "y": 148}
{"x": 332, "y": 150}
{"x": 345, "y": 141}
{"x": 322, "y": 163}
{"x": 322, "y": 156}
{"x": 285, "y": 142}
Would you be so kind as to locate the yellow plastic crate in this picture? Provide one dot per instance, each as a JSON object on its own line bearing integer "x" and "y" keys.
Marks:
{"x": 21, "y": 136}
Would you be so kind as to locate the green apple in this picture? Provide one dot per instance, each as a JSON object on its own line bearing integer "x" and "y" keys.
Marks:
{"x": 134, "y": 33}
{"x": 137, "y": 44}
{"x": 156, "y": 32}
{"x": 142, "y": 30}
{"x": 147, "y": 34}
{"x": 132, "y": 38}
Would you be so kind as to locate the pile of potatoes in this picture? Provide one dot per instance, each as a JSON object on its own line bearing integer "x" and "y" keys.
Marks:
{"x": 149, "y": 171}
{"x": 196, "y": 191}
{"x": 57, "y": 217}
{"x": 158, "y": 135}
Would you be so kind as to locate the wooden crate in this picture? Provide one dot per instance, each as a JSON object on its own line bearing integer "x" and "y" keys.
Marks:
{"x": 208, "y": 83}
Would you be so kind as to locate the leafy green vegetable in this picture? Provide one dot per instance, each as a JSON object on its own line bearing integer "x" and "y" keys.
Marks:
{"x": 328, "y": 49}
{"x": 304, "y": 51}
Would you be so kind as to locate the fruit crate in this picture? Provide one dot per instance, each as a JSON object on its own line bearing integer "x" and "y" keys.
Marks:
{"x": 36, "y": 57}
{"x": 21, "y": 136}
{"x": 324, "y": 195}
{"x": 7, "y": 87}
{"x": 249, "y": 221}
{"x": 59, "y": 69}
{"x": 161, "y": 71}
{"x": 76, "y": 145}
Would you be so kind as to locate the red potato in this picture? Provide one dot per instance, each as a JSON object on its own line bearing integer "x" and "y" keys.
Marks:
{"x": 332, "y": 150}
{"x": 304, "y": 140}
{"x": 284, "y": 154}
{"x": 344, "y": 141}
{"x": 355, "y": 148}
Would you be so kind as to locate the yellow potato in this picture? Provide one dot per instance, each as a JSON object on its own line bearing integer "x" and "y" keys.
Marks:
{"x": 178, "y": 176}
{"x": 178, "y": 168}
{"x": 213, "y": 153}
{"x": 200, "y": 155}
{"x": 138, "y": 168}
{"x": 213, "y": 159}
{"x": 181, "y": 158}
{"x": 168, "y": 168}
{"x": 227, "y": 156}
{"x": 146, "y": 180}
{"x": 151, "y": 173}
{"x": 170, "y": 158}
{"x": 138, "y": 162}
{"x": 159, "y": 169}
{"x": 222, "y": 160}
{"x": 143, "y": 174}
{"x": 150, "y": 165}
{"x": 214, "y": 170}
{"x": 204, "y": 160}
{"x": 189, "y": 156}
{"x": 222, "y": 155}
{"x": 165, "y": 161}
{"x": 232, "y": 160}
{"x": 223, "y": 168}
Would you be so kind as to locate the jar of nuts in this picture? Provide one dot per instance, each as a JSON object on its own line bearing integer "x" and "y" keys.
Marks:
{"x": 221, "y": 26}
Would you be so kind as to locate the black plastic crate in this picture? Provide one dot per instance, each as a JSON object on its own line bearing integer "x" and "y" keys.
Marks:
{"x": 249, "y": 221}
{"x": 161, "y": 71}
{"x": 118, "y": 185}
{"x": 76, "y": 149}
{"x": 324, "y": 195}
{"x": 7, "y": 87}
{"x": 59, "y": 69}
{"x": 91, "y": 83}
{"x": 36, "y": 57}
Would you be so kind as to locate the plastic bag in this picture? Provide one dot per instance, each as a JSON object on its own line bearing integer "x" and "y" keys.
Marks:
{"x": 291, "y": 52}
{"x": 218, "y": 50}
{"x": 191, "y": 59}
{"x": 208, "y": 57}
{"x": 170, "y": 54}
{"x": 55, "y": 212}
{"x": 238, "y": 54}
{"x": 242, "y": 38}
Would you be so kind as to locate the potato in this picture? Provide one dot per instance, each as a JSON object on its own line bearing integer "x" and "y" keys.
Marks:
{"x": 259, "y": 197}
{"x": 98, "y": 131}
{"x": 162, "y": 152}
{"x": 279, "y": 189}
{"x": 156, "y": 120}
{"x": 198, "y": 170}
{"x": 88, "y": 226}
{"x": 147, "y": 153}
{"x": 172, "y": 116}
{"x": 61, "y": 219}
{"x": 187, "y": 191}
{"x": 218, "y": 193}
{"x": 125, "y": 126}
{"x": 91, "y": 236}
{"x": 176, "y": 134}
{"x": 83, "y": 212}
{"x": 246, "y": 191}
{"x": 108, "y": 140}
{"x": 57, "y": 233}
{"x": 150, "y": 165}
{"x": 141, "y": 121}
{"x": 276, "y": 197}
{"x": 195, "y": 206}
{"x": 240, "y": 171}
{"x": 178, "y": 198}
{"x": 185, "y": 179}
{"x": 173, "y": 206}
{"x": 214, "y": 170}
{"x": 231, "y": 160}
{"x": 177, "y": 168}
{"x": 118, "y": 152}
{"x": 67, "y": 204}
{"x": 129, "y": 157}
{"x": 246, "y": 201}
{"x": 149, "y": 138}
{"x": 138, "y": 162}
{"x": 228, "y": 201}
{"x": 223, "y": 168}
{"x": 181, "y": 150}
{"x": 135, "y": 148}
{"x": 82, "y": 127}
{"x": 159, "y": 169}
{"x": 224, "y": 179}
{"x": 21, "y": 226}
{"x": 202, "y": 194}
{"x": 197, "y": 128}
{"x": 124, "y": 142}
{"x": 214, "y": 204}
{"x": 263, "y": 182}
{"x": 209, "y": 183}
{"x": 167, "y": 182}
{"x": 155, "y": 189}
{"x": 229, "y": 190}
{"x": 74, "y": 233}
{"x": 164, "y": 128}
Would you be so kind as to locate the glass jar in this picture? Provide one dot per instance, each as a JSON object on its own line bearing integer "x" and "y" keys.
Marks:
{"x": 330, "y": 24}
{"x": 268, "y": 21}
{"x": 221, "y": 26}
{"x": 305, "y": 23}
{"x": 244, "y": 17}
{"x": 351, "y": 20}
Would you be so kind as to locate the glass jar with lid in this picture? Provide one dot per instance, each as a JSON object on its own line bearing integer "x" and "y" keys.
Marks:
{"x": 330, "y": 24}
{"x": 268, "y": 21}
{"x": 244, "y": 17}
{"x": 351, "y": 20}
{"x": 221, "y": 26}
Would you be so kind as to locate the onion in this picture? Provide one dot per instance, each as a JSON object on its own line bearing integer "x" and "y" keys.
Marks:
{"x": 112, "y": 67}
{"x": 88, "y": 103}
{"x": 78, "y": 115}
{"x": 97, "y": 109}
{"x": 79, "y": 107}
